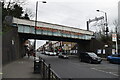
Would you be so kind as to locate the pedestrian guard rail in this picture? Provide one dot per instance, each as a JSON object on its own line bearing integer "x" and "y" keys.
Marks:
{"x": 46, "y": 71}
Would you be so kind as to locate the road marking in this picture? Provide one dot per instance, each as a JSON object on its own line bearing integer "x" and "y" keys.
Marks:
{"x": 21, "y": 62}
{"x": 1, "y": 73}
{"x": 105, "y": 71}
{"x": 113, "y": 74}
{"x": 92, "y": 65}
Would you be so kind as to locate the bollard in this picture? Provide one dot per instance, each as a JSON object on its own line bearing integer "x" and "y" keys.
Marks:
{"x": 43, "y": 73}
{"x": 49, "y": 71}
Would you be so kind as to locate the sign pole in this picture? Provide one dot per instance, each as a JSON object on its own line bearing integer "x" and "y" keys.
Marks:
{"x": 114, "y": 38}
{"x": 116, "y": 45}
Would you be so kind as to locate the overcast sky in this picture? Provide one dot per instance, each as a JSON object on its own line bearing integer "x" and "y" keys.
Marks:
{"x": 74, "y": 13}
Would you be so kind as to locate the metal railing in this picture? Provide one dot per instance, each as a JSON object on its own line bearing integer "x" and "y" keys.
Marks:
{"x": 46, "y": 71}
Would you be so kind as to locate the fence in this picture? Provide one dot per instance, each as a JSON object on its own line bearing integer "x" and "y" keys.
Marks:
{"x": 46, "y": 71}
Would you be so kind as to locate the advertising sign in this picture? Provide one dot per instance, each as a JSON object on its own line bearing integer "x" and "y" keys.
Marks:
{"x": 103, "y": 51}
{"x": 113, "y": 51}
{"x": 99, "y": 51}
{"x": 114, "y": 37}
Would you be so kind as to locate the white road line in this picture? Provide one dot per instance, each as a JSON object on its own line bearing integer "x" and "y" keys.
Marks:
{"x": 105, "y": 72}
{"x": 92, "y": 65}
{"x": 1, "y": 73}
{"x": 113, "y": 74}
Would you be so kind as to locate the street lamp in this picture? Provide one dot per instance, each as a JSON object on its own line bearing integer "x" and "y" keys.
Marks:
{"x": 36, "y": 23}
{"x": 106, "y": 24}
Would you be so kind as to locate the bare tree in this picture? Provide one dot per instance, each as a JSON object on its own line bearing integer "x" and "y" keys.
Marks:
{"x": 20, "y": 2}
{"x": 115, "y": 23}
{"x": 99, "y": 26}
{"x": 11, "y": 3}
{"x": 29, "y": 12}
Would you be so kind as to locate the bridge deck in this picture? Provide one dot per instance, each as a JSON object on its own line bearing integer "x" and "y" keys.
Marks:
{"x": 43, "y": 28}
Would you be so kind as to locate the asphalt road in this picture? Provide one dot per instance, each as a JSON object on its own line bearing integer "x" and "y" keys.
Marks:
{"x": 73, "y": 68}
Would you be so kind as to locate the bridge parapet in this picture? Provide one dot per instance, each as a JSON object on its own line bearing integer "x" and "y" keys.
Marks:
{"x": 43, "y": 28}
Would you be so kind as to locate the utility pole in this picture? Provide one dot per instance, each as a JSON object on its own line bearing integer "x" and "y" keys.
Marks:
{"x": 36, "y": 24}
{"x": 106, "y": 23}
{"x": 116, "y": 42}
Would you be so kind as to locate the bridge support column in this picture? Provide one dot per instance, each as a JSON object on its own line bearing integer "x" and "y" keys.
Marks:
{"x": 21, "y": 47}
{"x": 83, "y": 46}
{"x": 12, "y": 47}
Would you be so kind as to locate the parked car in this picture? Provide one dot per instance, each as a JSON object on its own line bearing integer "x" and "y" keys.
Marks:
{"x": 47, "y": 53}
{"x": 63, "y": 55}
{"x": 42, "y": 52}
{"x": 52, "y": 53}
{"x": 115, "y": 58}
{"x": 89, "y": 57}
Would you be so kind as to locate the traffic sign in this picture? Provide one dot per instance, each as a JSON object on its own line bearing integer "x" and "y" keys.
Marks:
{"x": 114, "y": 37}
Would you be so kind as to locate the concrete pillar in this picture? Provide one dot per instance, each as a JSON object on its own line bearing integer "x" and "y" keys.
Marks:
{"x": 21, "y": 47}
{"x": 83, "y": 46}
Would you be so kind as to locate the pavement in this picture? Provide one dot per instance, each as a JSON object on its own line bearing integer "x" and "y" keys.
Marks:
{"x": 22, "y": 68}
{"x": 104, "y": 59}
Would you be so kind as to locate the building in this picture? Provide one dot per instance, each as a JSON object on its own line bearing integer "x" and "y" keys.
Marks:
{"x": 48, "y": 46}
{"x": 67, "y": 47}
{"x": 59, "y": 46}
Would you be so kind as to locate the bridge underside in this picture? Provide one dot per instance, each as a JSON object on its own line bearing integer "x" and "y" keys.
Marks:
{"x": 17, "y": 50}
{"x": 83, "y": 45}
{"x": 52, "y": 38}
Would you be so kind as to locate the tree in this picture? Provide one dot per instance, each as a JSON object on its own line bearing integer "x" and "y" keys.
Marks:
{"x": 13, "y": 9}
{"x": 4, "y": 11}
{"x": 29, "y": 12}
{"x": 26, "y": 17}
{"x": 115, "y": 23}
{"x": 17, "y": 11}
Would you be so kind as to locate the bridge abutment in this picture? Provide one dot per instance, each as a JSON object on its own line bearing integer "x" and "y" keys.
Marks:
{"x": 92, "y": 46}
{"x": 83, "y": 46}
{"x": 12, "y": 46}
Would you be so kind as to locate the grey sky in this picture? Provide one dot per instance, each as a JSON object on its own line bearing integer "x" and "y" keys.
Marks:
{"x": 74, "y": 13}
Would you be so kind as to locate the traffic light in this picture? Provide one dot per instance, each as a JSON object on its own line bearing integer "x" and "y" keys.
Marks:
{"x": 107, "y": 30}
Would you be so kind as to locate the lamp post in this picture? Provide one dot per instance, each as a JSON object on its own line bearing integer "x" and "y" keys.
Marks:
{"x": 106, "y": 24}
{"x": 36, "y": 23}
{"x": 106, "y": 27}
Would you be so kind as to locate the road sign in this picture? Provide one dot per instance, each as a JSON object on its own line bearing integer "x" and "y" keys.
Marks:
{"x": 114, "y": 37}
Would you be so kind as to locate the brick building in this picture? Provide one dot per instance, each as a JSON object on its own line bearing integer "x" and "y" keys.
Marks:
{"x": 59, "y": 46}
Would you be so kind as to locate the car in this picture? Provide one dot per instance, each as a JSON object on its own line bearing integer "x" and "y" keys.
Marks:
{"x": 42, "y": 52}
{"x": 90, "y": 57}
{"x": 52, "y": 53}
{"x": 115, "y": 58}
{"x": 63, "y": 55}
{"x": 47, "y": 53}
